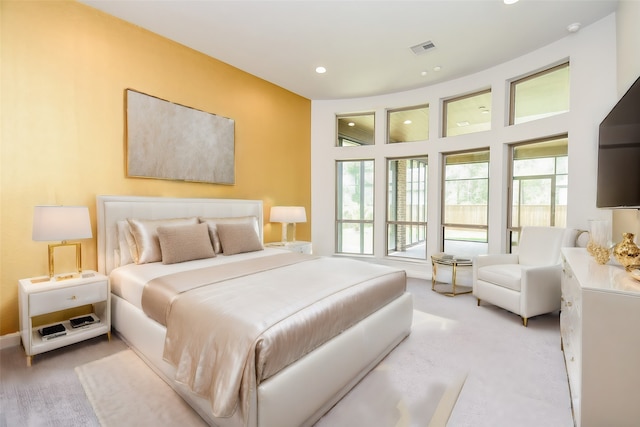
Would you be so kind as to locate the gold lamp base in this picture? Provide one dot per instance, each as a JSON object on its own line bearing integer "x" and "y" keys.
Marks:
{"x": 65, "y": 276}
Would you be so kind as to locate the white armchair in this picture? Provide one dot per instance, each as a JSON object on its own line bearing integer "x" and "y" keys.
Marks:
{"x": 526, "y": 283}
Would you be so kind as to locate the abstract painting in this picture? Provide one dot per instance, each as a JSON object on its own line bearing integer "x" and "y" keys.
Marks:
{"x": 170, "y": 141}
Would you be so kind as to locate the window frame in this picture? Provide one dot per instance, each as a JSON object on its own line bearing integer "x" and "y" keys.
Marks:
{"x": 445, "y": 110}
{"x": 338, "y": 214}
{"x": 529, "y": 77}
{"x": 409, "y": 223}
{"x": 515, "y": 230}
{"x": 403, "y": 109}
{"x": 356, "y": 141}
{"x": 444, "y": 225}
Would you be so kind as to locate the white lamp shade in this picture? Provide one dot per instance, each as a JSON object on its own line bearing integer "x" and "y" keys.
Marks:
{"x": 59, "y": 223}
{"x": 288, "y": 214}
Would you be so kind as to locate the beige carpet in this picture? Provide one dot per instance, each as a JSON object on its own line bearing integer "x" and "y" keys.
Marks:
{"x": 123, "y": 390}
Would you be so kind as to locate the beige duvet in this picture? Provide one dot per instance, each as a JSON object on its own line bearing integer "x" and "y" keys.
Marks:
{"x": 231, "y": 327}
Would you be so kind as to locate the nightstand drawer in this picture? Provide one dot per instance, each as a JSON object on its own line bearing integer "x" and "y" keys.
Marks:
{"x": 61, "y": 299}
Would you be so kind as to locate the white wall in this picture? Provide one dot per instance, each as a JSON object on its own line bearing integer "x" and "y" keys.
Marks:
{"x": 592, "y": 55}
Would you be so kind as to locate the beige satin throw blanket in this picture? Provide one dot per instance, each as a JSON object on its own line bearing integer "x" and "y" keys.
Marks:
{"x": 226, "y": 337}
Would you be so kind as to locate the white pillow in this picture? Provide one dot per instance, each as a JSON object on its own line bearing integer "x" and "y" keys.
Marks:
{"x": 126, "y": 243}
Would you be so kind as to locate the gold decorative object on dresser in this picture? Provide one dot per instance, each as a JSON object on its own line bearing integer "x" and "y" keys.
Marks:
{"x": 599, "y": 253}
{"x": 627, "y": 252}
{"x": 599, "y": 240}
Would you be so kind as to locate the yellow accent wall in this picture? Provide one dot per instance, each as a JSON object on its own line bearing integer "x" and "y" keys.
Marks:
{"x": 65, "y": 67}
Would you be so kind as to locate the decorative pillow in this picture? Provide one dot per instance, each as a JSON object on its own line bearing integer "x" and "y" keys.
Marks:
{"x": 145, "y": 234}
{"x": 213, "y": 233}
{"x": 126, "y": 243}
{"x": 238, "y": 238}
{"x": 181, "y": 243}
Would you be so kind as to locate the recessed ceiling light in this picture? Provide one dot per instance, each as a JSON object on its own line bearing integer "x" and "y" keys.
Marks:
{"x": 423, "y": 73}
{"x": 463, "y": 124}
{"x": 437, "y": 68}
{"x": 572, "y": 28}
{"x": 321, "y": 70}
{"x": 351, "y": 124}
{"x": 407, "y": 122}
{"x": 510, "y": 1}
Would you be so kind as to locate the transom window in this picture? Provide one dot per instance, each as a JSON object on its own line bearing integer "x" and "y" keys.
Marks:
{"x": 540, "y": 95}
{"x": 408, "y": 124}
{"x": 467, "y": 114}
{"x": 355, "y": 130}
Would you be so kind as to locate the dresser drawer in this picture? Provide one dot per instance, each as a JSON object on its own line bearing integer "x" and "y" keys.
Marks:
{"x": 73, "y": 296}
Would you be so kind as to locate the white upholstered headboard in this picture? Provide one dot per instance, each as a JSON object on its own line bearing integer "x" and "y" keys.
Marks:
{"x": 111, "y": 209}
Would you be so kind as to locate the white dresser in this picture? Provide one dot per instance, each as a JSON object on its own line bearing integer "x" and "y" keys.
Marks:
{"x": 600, "y": 330}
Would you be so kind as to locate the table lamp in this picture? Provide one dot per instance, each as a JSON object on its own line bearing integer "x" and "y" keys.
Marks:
{"x": 61, "y": 223}
{"x": 288, "y": 215}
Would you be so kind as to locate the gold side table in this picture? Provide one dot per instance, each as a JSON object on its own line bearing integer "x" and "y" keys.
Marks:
{"x": 454, "y": 263}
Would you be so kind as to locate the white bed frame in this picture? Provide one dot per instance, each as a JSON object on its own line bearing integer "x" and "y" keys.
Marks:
{"x": 302, "y": 392}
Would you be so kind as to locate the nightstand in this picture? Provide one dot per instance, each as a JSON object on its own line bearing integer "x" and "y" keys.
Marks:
{"x": 39, "y": 296}
{"x": 297, "y": 246}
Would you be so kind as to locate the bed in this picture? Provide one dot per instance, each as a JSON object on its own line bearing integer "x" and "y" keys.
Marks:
{"x": 279, "y": 382}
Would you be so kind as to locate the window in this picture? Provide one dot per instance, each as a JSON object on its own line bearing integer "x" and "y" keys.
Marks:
{"x": 539, "y": 185}
{"x": 354, "y": 216}
{"x": 467, "y": 114}
{"x": 408, "y": 125}
{"x": 540, "y": 95}
{"x": 466, "y": 203}
{"x": 355, "y": 130}
{"x": 407, "y": 207}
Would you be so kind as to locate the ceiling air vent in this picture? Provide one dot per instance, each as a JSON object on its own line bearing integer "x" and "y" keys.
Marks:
{"x": 421, "y": 48}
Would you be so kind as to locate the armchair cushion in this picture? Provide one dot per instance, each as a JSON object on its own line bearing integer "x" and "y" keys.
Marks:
{"x": 506, "y": 275}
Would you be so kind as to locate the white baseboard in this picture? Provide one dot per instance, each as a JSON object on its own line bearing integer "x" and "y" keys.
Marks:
{"x": 9, "y": 340}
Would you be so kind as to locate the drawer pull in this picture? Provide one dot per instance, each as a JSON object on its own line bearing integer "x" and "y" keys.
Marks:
{"x": 73, "y": 298}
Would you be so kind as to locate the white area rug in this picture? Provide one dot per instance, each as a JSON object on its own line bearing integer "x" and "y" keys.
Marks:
{"x": 506, "y": 375}
{"x": 124, "y": 391}
{"x": 400, "y": 392}
{"x": 405, "y": 389}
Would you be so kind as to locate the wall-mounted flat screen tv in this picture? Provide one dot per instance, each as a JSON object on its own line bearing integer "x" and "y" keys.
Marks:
{"x": 619, "y": 153}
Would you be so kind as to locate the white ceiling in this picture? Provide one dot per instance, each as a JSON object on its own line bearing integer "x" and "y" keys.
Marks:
{"x": 365, "y": 45}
